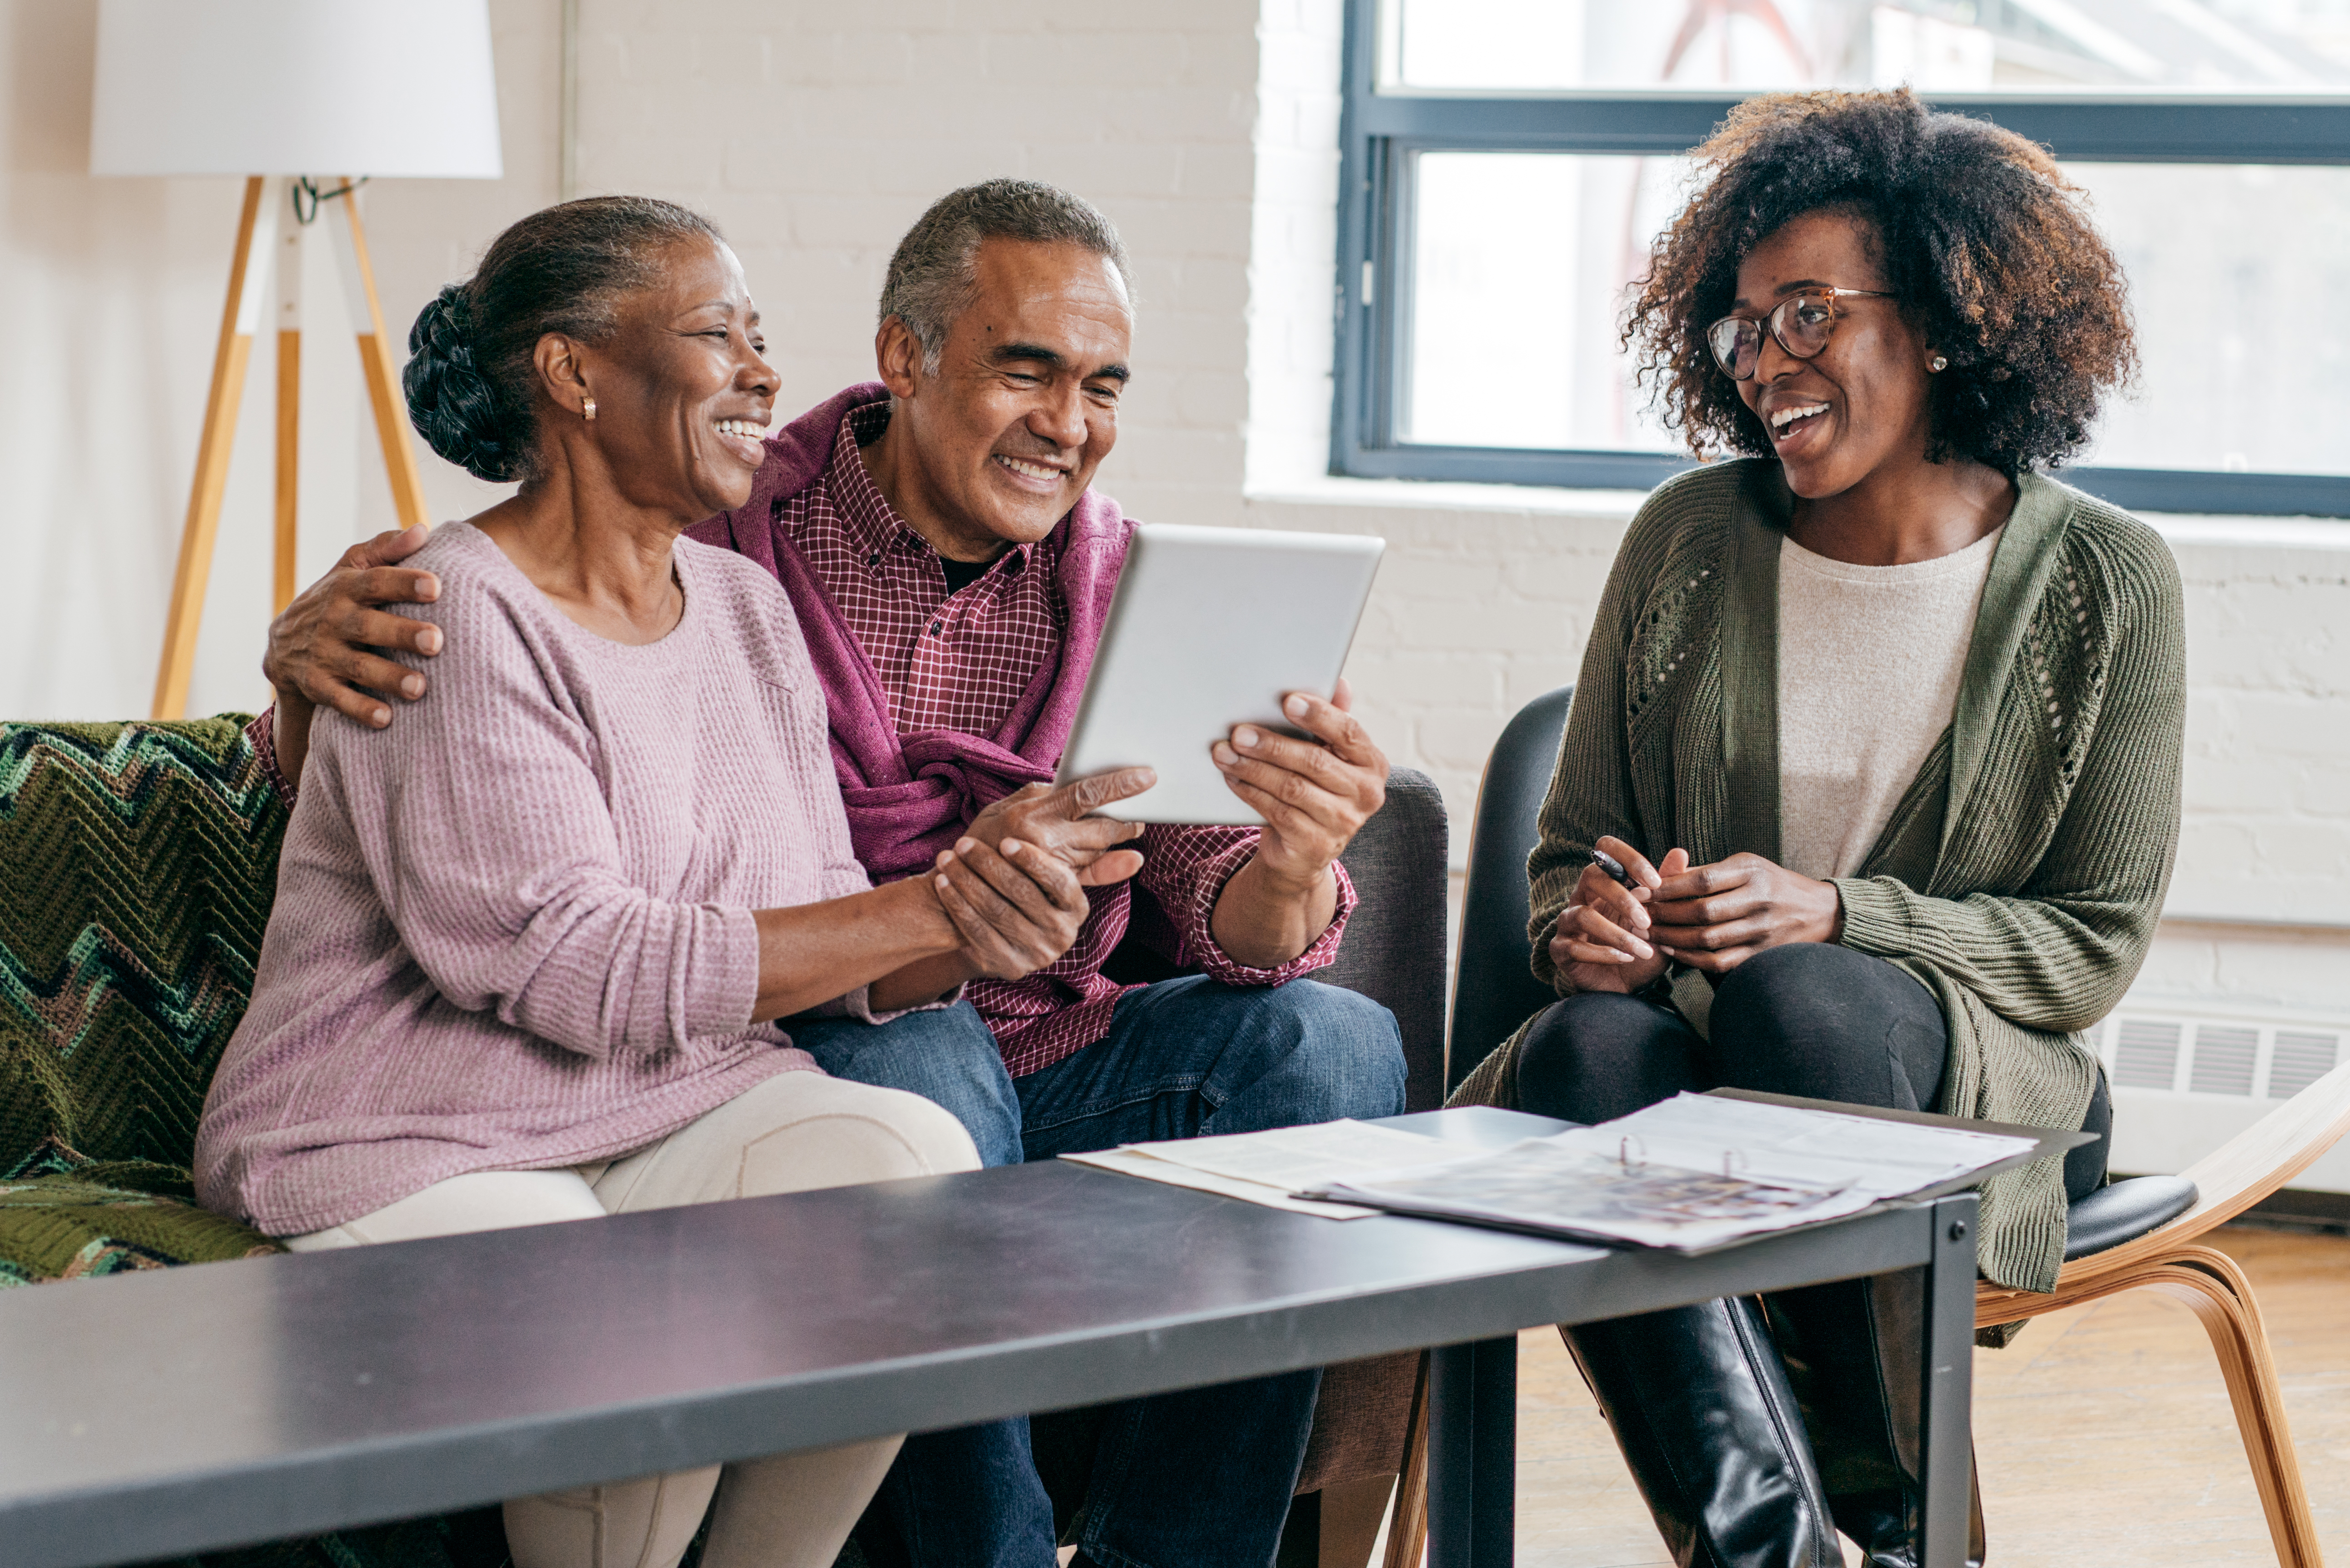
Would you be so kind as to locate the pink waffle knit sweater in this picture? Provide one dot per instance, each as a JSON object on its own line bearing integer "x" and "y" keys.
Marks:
{"x": 513, "y": 930}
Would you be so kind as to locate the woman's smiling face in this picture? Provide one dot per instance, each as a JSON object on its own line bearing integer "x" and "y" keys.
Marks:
{"x": 684, "y": 387}
{"x": 1858, "y": 406}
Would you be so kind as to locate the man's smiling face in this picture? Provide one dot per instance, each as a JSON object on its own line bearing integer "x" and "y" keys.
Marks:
{"x": 1006, "y": 434}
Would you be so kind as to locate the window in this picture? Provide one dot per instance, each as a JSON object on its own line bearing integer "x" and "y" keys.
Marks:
{"x": 1507, "y": 162}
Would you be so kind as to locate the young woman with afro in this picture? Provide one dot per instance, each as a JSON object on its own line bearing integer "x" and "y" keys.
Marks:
{"x": 1885, "y": 724}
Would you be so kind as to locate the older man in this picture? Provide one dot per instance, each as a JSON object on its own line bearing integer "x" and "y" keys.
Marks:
{"x": 951, "y": 568}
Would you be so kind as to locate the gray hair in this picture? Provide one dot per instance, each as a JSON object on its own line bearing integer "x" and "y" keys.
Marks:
{"x": 934, "y": 275}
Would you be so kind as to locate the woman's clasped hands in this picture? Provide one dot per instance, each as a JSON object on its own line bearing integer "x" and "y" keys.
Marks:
{"x": 1711, "y": 919}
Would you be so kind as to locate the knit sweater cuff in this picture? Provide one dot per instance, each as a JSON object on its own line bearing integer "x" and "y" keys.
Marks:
{"x": 858, "y": 1004}
{"x": 723, "y": 988}
{"x": 1875, "y": 920}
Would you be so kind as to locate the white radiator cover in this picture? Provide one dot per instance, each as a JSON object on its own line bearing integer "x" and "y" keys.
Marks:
{"x": 2188, "y": 1075}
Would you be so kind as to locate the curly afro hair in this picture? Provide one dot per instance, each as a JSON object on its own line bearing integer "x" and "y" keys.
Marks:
{"x": 1978, "y": 233}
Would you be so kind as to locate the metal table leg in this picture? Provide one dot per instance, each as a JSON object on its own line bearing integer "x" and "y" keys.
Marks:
{"x": 1946, "y": 1443}
{"x": 1472, "y": 1442}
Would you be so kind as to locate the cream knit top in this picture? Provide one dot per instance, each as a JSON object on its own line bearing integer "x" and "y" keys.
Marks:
{"x": 1869, "y": 659}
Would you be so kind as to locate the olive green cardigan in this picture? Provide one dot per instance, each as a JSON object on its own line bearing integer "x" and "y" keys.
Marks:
{"x": 2020, "y": 878}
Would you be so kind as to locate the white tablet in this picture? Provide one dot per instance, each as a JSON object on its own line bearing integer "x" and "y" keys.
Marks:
{"x": 1211, "y": 628}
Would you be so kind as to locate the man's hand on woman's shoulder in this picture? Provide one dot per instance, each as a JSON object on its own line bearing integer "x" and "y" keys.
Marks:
{"x": 324, "y": 647}
{"x": 1315, "y": 795}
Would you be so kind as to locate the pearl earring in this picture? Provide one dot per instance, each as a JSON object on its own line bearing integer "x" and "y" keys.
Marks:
{"x": 1937, "y": 364}
{"x": 588, "y": 408}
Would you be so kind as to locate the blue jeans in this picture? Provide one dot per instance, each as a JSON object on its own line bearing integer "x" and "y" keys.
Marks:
{"x": 1199, "y": 1478}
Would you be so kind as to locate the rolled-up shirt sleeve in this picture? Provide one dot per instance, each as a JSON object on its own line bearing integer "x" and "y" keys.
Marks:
{"x": 1184, "y": 871}
{"x": 262, "y": 735}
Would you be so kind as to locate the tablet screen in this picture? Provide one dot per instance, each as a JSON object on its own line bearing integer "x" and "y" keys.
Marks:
{"x": 1211, "y": 628}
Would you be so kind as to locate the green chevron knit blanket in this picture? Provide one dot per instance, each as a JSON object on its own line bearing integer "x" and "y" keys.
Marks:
{"x": 137, "y": 866}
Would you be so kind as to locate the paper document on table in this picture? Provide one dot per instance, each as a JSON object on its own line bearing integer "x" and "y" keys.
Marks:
{"x": 1290, "y": 1157}
{"x": 1271, "y": 1166}
{"x": 1886, "y": 1160}
{"x": 1688, "y": 1173}
{"x": 1134, "y": 1162}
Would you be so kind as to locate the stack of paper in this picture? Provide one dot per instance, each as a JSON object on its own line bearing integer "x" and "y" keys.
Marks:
{"x": 1269, "y": 1168}
{"x": 1690, "y": 1173}
{"x": 1693, "y": 1172}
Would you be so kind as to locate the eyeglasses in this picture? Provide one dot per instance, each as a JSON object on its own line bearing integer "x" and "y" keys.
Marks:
{"x": 1801, "y": 324}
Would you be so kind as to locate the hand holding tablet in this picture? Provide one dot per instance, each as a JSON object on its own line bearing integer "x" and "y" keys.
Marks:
{"x": 1213, "y": 632}
{"x": 1313, "y": 795}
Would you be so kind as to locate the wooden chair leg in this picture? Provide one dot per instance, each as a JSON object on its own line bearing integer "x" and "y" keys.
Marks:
{"x": 1407, "y": 1530}
{"x": 2210, "y": 1282}
{"x": 2205, "y": 1279}
{"x": 1352, "y": 1512}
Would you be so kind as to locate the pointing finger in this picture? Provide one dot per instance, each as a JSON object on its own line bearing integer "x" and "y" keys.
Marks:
{"x": 1097, "y": 789}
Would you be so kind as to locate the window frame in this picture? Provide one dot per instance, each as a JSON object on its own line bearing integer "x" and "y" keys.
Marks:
{"x": 1380, "y": 131}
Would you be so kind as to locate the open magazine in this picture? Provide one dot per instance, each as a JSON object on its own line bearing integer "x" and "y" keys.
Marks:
{"x": 1690, "y": 1173}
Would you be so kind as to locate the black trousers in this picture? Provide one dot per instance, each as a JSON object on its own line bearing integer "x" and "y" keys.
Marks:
{"x": 1758, "y": 1429}
{"x": 1808, "y": 1019}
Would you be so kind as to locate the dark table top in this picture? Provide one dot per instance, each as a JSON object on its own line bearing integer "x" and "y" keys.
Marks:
{"x": 202, "y": 1406}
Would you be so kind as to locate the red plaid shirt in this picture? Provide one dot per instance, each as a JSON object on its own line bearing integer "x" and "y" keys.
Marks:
{"x": 960, "y": 662}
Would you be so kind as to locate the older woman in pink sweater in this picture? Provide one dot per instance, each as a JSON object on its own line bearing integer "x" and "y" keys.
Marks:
{"x": 529, "y": 945}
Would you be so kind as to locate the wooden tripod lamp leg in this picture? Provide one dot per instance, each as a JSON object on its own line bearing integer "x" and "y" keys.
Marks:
{"x": 377, "y": 362}
{"x": 256, "y": 229}
{"x": 289, "y": 414}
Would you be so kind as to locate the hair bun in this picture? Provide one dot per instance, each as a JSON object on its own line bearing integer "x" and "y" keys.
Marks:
{"x": 450, "y": 401}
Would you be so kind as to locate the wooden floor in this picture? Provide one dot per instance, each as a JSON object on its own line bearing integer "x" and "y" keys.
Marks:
{"x": 2105, "y": 1433}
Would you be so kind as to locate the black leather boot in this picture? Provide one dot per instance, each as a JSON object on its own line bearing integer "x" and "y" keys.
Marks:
{"x": 1852, "y": 1354}
{"x": 1702, "y": 1411}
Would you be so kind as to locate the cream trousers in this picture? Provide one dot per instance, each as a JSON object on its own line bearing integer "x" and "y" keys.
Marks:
{"x": 793, "y": 1132}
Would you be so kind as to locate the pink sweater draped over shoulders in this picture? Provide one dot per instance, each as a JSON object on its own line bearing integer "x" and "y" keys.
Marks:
{"x": 513, "y": 930}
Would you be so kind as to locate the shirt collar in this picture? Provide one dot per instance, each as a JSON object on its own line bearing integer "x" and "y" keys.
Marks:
{"x": 872, "y": 524}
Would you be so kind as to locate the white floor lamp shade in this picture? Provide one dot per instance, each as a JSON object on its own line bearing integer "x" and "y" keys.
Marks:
{"x": 293, "y": 94}
{"x": 382, "y": 87}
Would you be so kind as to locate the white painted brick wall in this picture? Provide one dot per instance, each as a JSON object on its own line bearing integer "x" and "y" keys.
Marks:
{"x": 1294, "y": 242}
{"x": 815, "y": 134}
{"x": 2268, "y": 769}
